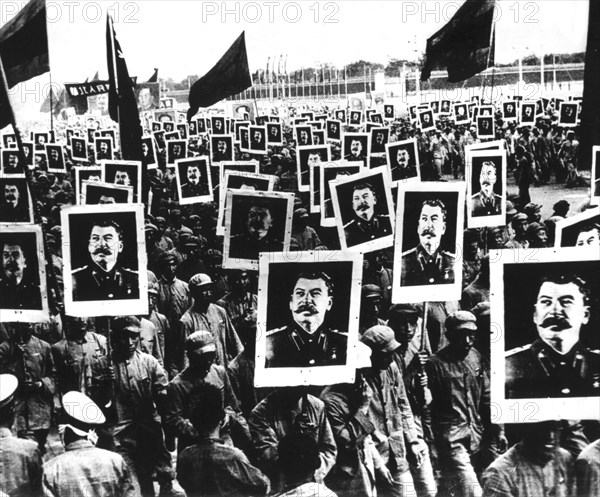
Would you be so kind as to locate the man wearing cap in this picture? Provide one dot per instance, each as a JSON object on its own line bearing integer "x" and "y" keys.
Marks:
{"x": 370, "y": 303}
{"x": 366, "y": 225}
{"x": 160, "y": 321}
{"x": 519, "y": 225}
{"x": 460, "y": 409}
{"x": 20, "y": 460}
{"x": 309, "y": 341}
{"x": 183, "y": 389}
{"x": 203, "y": 315}
{"x": 486, "y": 202}
{"x": 533, "y": 212}
{"x": 396, "y": 437}
{"x": 105, "y": 278}
{"x": 139, "y": 395}
{"x": 305, "y": 235}
{"x": 557, "y": 364}
{"x": 30, "y": 360}
{"x": 428, "y": 264}
{"x": 84, "y": 469}
{"x": 240, "y": 304}
{"x": 537, "y": 235}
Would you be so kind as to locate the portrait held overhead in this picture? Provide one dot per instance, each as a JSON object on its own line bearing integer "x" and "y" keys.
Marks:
{"x": 319, "y": 249}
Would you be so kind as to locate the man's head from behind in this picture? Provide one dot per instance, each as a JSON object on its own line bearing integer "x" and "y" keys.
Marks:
{"x": 298, "y": 457}
{"x": 208, "y": 411}
{"x": 105, "y": 244}
{"x": 311, "y": 299}
{"x": 561, "y": 310}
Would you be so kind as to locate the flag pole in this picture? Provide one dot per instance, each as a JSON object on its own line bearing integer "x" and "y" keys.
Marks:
{"x": 491, "y": 50}
{"x": 51, "y": 102}
{"x": 114, "y": 64}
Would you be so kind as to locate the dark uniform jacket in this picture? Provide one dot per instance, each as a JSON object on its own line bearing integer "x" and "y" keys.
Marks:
{"x": 482, "y": 206}
{"x": 190, "y": 190}
{"x": 17, "y": 214}
{"x": 21, "y": 465}
{"x": 353, "y": 158}
{"x": 25, "y": 295}
{"x": 91, "y": 283}
{"x": 400, "y": 173}
{"x": 360, "y": 231}
{"x": 420, "y": 269}
{"x": 292, "y": 347}
{"x": 538, "y": 371}
{"x": 245, "y": 246}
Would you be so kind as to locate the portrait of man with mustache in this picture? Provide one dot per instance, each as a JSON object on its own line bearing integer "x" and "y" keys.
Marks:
{"x": 15, "y": 207}
{"x": 427, "y": 263}
{"x": 308, "y": 341}
{"x": 197, "y": 184}
{"x": 104, "y": 278}
{"x": 557, "y": 363}
{"x": 366, "y": 225}
{"x": 258, "y": 237}
{"x": 486, "y": 202}
{"x": 19, "y": 290}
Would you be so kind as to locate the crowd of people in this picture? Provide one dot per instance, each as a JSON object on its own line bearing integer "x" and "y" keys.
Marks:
{"x": 174, "y": 389}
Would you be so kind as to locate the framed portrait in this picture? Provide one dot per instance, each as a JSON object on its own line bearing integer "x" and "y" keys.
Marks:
{"x": 355, "y": 146}
{"x": 155, "y": 126}
{"x": 403, "y": 161}
{"x": 243, "y": 110}
{"x": 99, "y": 193}
{"x": 41, "y": 139}
{"x": 182, "y": 129}
{"x": 486, "y": 188}
{"x": 389, "y": 111}
{"x": 331, "y": 173}
{"x": 356, "y": 117}
{"x": 303, "y": 135}
{"x": 11, "y": 162}
{"x": 318, "y": 136}
{"x": 299, "y": 120}
{"x": 581, "y": 230}
{"x": 568, "y": 114}
{"x": 23, "y": 281}
{"x": 333, "y": 128}
{"x": 412, "y": 111}
{"x": 461, "y": 113}
{"x": 274, "y": 134}
{"x": 159, "y": 139}
{"x": 486, "y": 127}
{"x": 16, "y": 200}
{"x": 176, "y": 150}
{"x": 123, "y": 172}
{"x": 544, "y": 303}
{"x": 201, "y": 125}
{"x": 56, "y": 159}
{"x": 284, "y": 356}
{"x": 379, "y": 139}
{"x": 262, "y": 120}
{"x": 245, "y": 139}
{"x": 306, "y": 157}
{"x": 256, "y": 222}
{"x": 249, "y": 166}
{"x": 172, "y": 135}
{"x": 165, "y": 115}
{"x": 377, "y": 118}
{"x": 509, "y": 110}
{"x": 539, "y": 107}
{"x": 217, "y": 124}
{"x": 169, "y": 127}
{"x": 445, "y": 107}
{"x": 309, "y": 114}
{"x": 258, "y": 139}
{"x": 364, "y": 210}
{"x": 315, "y": 125}
{"x": 429, "y": 235}
{"x": 486, "y": 110}
{"x": 110, "y": 133}
{"x": 221, "y": 147}
{"x": 237, "y": 126}
{"x": 340, "y": 115}
{"x": 149, "y": 152}
{"x": 103, "y": 149}
{"x": 40, "y": 160}
{"x": 426, "y": 121}
{"x": 28, "y": 151}
{"x": 194, "y": 181}
{"x": 85, "y": 173}
{"x": 239, "y": 180}
{"x": 435, "y": 107}
{"x": 104, "y": 253}
{"x": 9, "y": 140}
{"x": 528, "y": 113}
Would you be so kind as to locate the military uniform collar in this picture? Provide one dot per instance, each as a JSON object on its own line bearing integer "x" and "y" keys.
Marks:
{"x": 491, "y": 200}
{"x": 363, "y": 223}
{"x": 302, "y": 338}
{"x": 544, "y": 351}
{"x": 79, "y": 444}
{"x": 425, "y": 258}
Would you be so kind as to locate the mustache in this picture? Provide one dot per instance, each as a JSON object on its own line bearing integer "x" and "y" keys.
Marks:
{"x": 363, "y": 207}
{"x": 558, "y": 322}
{"x": 102, "y": 251}
{"x": 428, "y": 231}
{"x": 306, "y": 307}
{"x": 11, "y": 266}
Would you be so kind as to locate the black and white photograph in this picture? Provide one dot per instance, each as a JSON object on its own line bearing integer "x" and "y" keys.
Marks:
{"x": 56, "y": 159}
{"x": 258, "y": 139}
{"x": 329, "y": 174}
{"x": 159, "y": 139}
{"x": 99, "y": 193}
{"x": 238, "y": 125}
{"x": 40, "y": 161}
{"x": 172, "y": 135}
{"x": 182, "y": 129}
{"x": 243, "y": 110}
{"x": 169, "y": 127}
{"x": 23, "y": 278}
{"x": 245, "y": 139}
{"x": 274, "y": 134}
{"x": 9, "y": 140}
{"x": 379, "y": 139}
{"x": 426, "y": 121}
{"x": 249, "y": 166}
{"x": 364, "y": 210}
{"x": 355, "y": 146}
{"x": 403, "y": 161}
{"x": 16, "y": 200}
{"x": 194, "y": 182}
{"x": 104, "y": 254}
{"x": 429, "y": 236}
{"x": 103, "y": 149}
{"x": 307, "y": 157}
{"x": 318, "y": 136}
{"x": 125, "y": 173}
{"x": 333, "y": 129}
{"x": 435, "y": 107}
{"x": 149, "y": 152}
{"x": 303, "y": 135}
{"x": 445, "y": 107}
{"x": 256, "y": 222}
{"x": 376, "y": 117}
{"x": 240, "y": 180}
{"x": 221, "y": 147}
{"x": 568, "y": 114}
{"x": 547, "y": 303}
{"x": 201, "y": 125}
{"x": 108, "y": 133}
{"x": 509, "y": 110}
{"x": 309, "y": 310}
{"x": 580, "y": 230}
{"x": 486, "y": 127}
{"x": 40, "y": 140}
{"x": 176, "y": 150}
{"x": 528, "y": 113}
{"x": 486, "y": 110}
{"x": 356, "y": 118}
{"x": 461, "y": 114}
{"x": 389, "y": 111}
{"x": 165, "y": 115}
{"x": 340, "y": 115}
{"x": 262, "y": 120}
{"x": 11, "y": 162}
{"x": 85, "y": 173}
{"x": 28, "y": 150}
{"x": 218, "y": 125}
{"x": 486, "y": 188}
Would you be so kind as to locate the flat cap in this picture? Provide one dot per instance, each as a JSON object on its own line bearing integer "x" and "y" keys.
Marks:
{"x": 200, "y": 279}
{"x": 510, "y": 208}
{"x": 81, "y": 409}
{"x": 371, "y": 292}
{"x": 532, "y": 207}
{"x": 520, "y": 217}
{"x": 380, "y": 339}
{"x": 406, "y": 309}
{"x": 8, "y": 387}
{"x": 201, "y": 341}
{"x": 535, "y": 227}
{"x": 461, "y": 320}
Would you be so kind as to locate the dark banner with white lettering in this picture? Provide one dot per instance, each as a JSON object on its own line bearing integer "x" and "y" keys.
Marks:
{"x": 90, "y": 89}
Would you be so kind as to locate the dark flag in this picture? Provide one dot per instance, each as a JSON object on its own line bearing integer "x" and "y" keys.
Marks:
{"x": 154, "y": 77}
{"x": 6, "y": 112}
{"x": 465, "y": 45}
{"x": 24, "y": 44}
{"x": 229, "y": 76}
{"x": 590, "y": 109}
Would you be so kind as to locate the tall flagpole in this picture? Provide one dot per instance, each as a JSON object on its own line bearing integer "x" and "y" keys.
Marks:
{"x": 116, "y": 78}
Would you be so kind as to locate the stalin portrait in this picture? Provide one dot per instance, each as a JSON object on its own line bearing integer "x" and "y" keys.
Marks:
{"x": 557, "y": 363}
{"x": 307, "y": 341}
{"x": 366, "y": 225}
{"x": 486, "y": 202}
{"x": 104, "y": 277}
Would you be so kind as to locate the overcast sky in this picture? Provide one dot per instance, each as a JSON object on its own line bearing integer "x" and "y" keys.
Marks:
{"x": 188, "y": 37}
